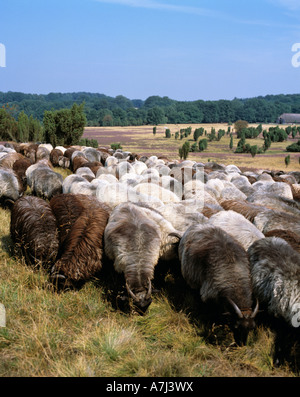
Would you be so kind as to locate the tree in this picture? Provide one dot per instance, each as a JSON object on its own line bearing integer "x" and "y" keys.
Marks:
{"x": 184, "y": 150}
{"x": 287, "y": 160}
{"x": 78, "y": 119}
{"x": 231, "y": 142}
{"x": 168, "y": 133}
{"x": 202, "y": 144}
{"x": 36, "y": 132}
{"x": 253, "y": 150}
{"x": 23, "y": 127}
{"x": 239, "y": 125}
{"x": 155, "y": 116}
{"x": 50, "y": 127}
{"x": 8, "y": 126}
{"x": 64, "y": 126}
{"x": 198, "y": 132}
{"x": 294, "y": 147}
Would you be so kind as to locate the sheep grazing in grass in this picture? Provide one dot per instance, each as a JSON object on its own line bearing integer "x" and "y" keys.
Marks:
{"x": 33, "y": 230}
{"x": 81, "y": 221}
{"x": 275, "y": 270}
{"x": 216, "y": 265}
{"x": 135, "y": 238}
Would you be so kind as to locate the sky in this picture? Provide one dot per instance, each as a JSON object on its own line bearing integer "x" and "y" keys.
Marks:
{"x": 185, "y": 50}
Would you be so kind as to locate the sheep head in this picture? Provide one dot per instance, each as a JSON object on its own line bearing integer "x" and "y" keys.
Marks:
{"x": 141, "y": 297}
{"x": 243, "y": 322}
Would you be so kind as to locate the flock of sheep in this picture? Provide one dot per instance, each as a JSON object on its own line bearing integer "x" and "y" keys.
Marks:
{"x": 234, "y": 235}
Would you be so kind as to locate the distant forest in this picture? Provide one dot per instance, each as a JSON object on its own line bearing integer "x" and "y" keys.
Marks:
{"x": 102, "y": 110}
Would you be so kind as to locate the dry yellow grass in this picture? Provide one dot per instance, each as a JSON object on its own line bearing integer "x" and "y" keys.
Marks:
{"x": 141, "y": 140}
{"x": 79, "y": 334}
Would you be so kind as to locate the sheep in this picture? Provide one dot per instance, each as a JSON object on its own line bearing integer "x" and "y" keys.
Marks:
{"x": 33, "y": 230}
{"x": 135, "y": 238}
{"x": 197, "y": 190}
{"x": 139, "y": 167}
{"x": 94, "y": 166}
{"x": 290, "y": 237}
{"x": 47, "y": 146}
{"x": 242, "y": 230}
{"x": 170, "y": 183}
{"x": 271, "y": 220}
{"x": 69, "y": 180}
{"x": 64, "y": 162}
{"x": 42, "y": 153}
{"x": 245, "y": 208}
{"x": 81, "y": 221}
{"x": 30, "y": 170}
{"x": 281, "y": 189}
{"x": 45, "y": 182}
{"x": 182, "y": 216}
{"x": 85, "y": 171}
{"x": 55, "y": 154}
{"x": 77, "y": 184}
{"x": 29, "y": 151}
{"x": 10, "y": 187}
{"x": 9, "y": 160}
{"x": 78, "y": 161}
{"x": 275, "y": 271}
{"x": 213, "y": 262}
{"x": 61, "y": 148}
{"x": 275, "y": 202}
{"x": 117, "y": 193}
{"x": 20, "y": 167}
{"x": 92, "y": 154}
{"x": 153, "y": 190}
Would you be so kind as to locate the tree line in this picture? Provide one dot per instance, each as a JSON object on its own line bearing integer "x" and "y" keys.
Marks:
{"x": 58, "y": 127}
{"x": 103, "y": 110}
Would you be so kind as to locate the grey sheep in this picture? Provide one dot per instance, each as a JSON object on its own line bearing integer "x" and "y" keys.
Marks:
{"x": 275, "y": 270}
{"x": 216, "y": 265}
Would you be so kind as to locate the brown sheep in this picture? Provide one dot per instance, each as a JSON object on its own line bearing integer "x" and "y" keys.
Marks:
{"x": 93, "y": 165}
{"x": 290, "y": 237}
{"x": 54, "y": 157}
{"x": 9, "y": 160}
{"x": 68, "y": 153}
{"x": 248, "y": 210}
{"x": 29, "y": 150}
{"x": 77, "y": 162}
{"x": 81, "y": 221}
{"x": 33, "y": 230}
{"x": 19, "y": 167}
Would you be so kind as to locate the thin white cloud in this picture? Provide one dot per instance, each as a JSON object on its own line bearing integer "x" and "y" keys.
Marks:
{"x": 291, "y": 5}
{"x": 151, "y": 4}
{"x": 157, "y": 5}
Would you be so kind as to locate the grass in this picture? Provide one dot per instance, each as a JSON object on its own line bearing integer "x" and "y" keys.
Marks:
{"x": 78, "y": 333}
{"x": 142, "y": 141}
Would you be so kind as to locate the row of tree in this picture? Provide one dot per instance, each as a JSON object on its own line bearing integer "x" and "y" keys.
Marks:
{"x": 102, "y": 110}
{"x": 59, "y": 127}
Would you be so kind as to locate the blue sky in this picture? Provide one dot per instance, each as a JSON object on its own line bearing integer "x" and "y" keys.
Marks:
{"x": 186, "y": 50}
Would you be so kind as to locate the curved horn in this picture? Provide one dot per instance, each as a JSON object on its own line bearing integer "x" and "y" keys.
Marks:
{"x": 148, "y": 295}
{"x": 236, "y": 308}
{"x": 133, "y": 296}
{"x": 255, "y": 310}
